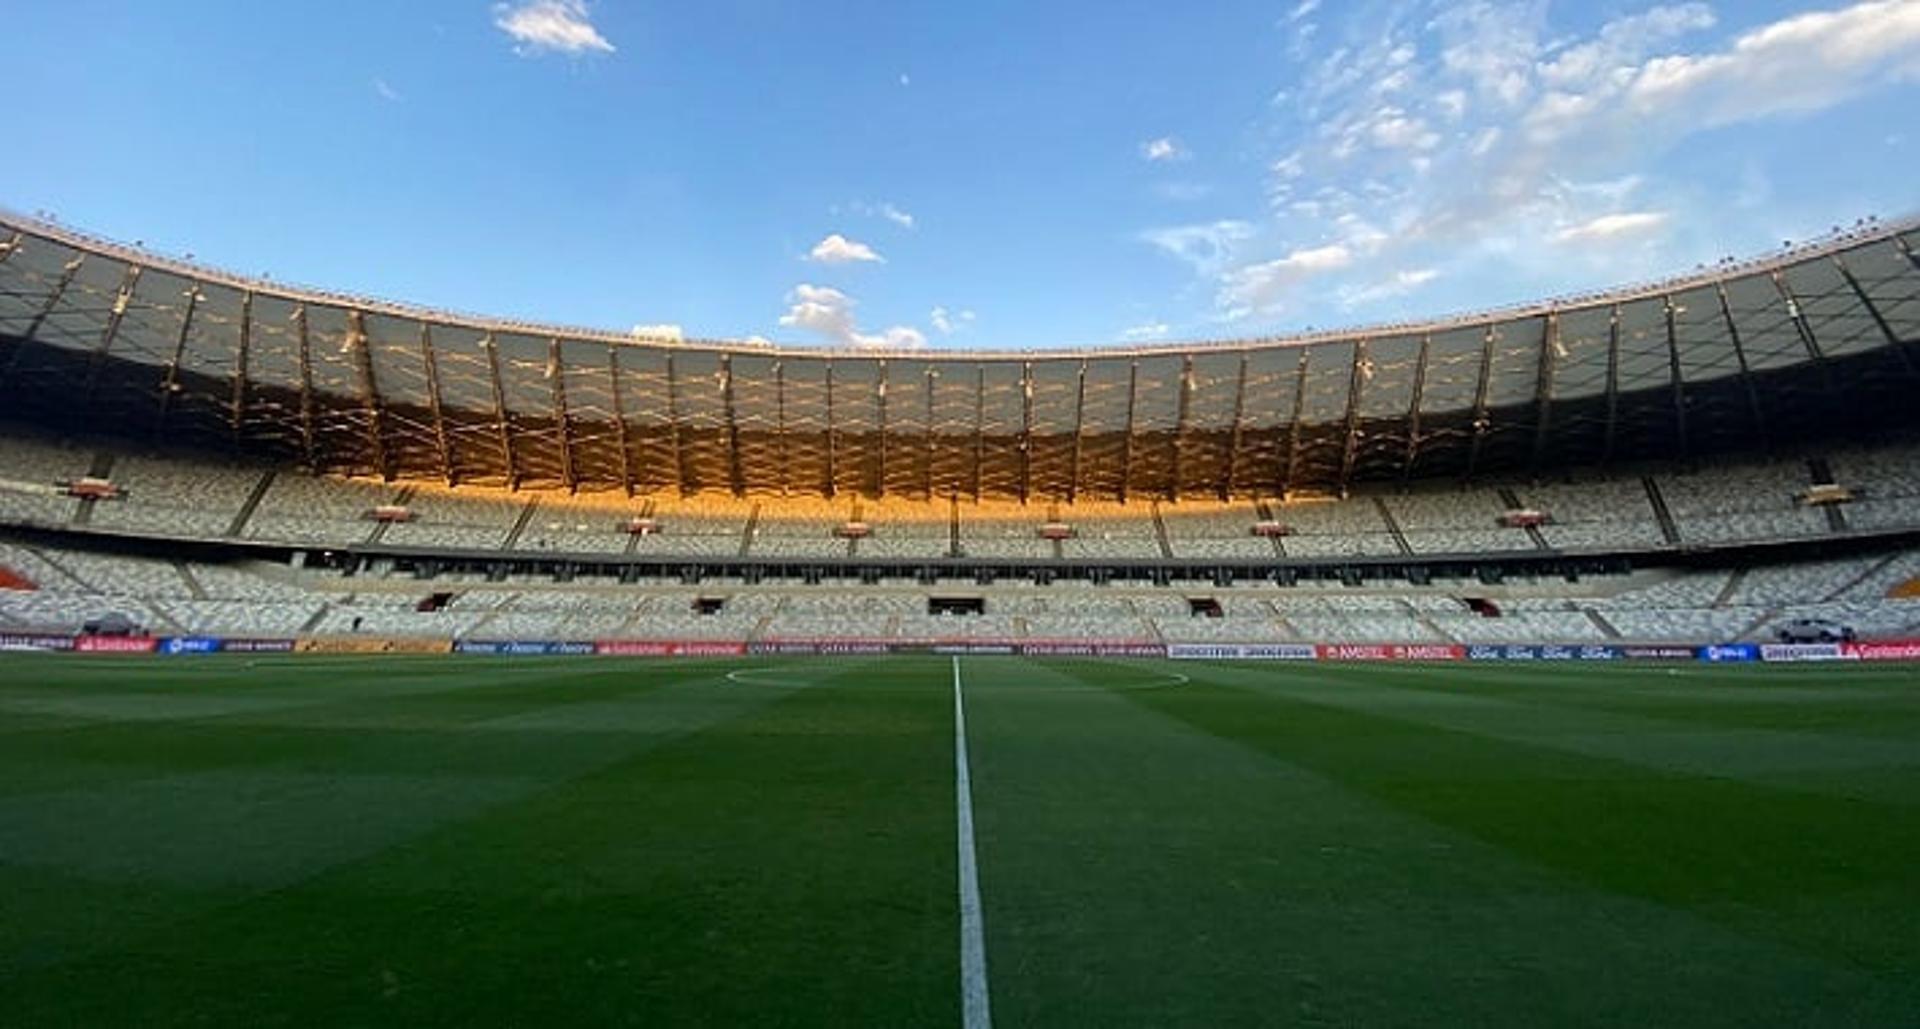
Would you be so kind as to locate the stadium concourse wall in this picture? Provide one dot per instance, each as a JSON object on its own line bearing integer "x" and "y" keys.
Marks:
{"x": 1715, "y": 653}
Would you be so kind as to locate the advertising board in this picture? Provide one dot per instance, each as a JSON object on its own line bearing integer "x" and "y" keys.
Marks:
{"x": 1391, "y": 652}
{"x": 1243, "y": 651}
{"x": 115, "y": 644}
{"x": 1794, "y": 652}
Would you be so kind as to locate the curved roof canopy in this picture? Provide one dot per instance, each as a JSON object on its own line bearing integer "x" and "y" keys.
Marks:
{"x": 1822, "y": 339}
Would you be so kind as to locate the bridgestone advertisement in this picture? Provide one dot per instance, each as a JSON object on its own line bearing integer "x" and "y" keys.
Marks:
{"x": 1242, "y": 652}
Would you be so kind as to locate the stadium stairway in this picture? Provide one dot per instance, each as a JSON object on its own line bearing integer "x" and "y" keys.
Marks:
{"x": 62, "y": 568}
{"x": 100, "y": 468}
{"x": 238, "y": 527}
{"x": 747, "y": 534}
{"x": 1868, "y": 573}
{"x": 953, "y": 526}
{"x": 1725, "y": 597}
{"x": 380, "y": 530}
{"x": 1767, "y": 617}
{"x": 319, "y": 617}
{"x": 1668, "y": 530}
{"x": 520, "y": 524}
{"x": 1160, "y": 532}
{"x": 1393, "y": 527}
{"x": 195, "y": 589}
{"x": 1512, "y": 500}
{"x": 1600, "y": 622}
{"x": 1428, "y": 623}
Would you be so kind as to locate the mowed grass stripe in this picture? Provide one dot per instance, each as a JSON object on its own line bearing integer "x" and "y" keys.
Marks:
{"x": 790, "y": 865}
{"x": 1139, "y": 870}
{"x": 1833, "y": 876}
{"x": 1463, "y": 698}
{"x": 359, "y": 724}
{"x": 1866, "y": 701}
{"x": 170, "y": 819}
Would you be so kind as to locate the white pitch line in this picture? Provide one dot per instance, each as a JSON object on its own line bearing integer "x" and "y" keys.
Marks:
{"x": 975, "y": 1007}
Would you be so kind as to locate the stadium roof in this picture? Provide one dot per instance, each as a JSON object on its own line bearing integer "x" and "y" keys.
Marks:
{"x": 1816, "y": 340}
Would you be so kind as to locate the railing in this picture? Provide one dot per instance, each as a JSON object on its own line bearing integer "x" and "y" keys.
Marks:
{"x": 1865, "y": 230}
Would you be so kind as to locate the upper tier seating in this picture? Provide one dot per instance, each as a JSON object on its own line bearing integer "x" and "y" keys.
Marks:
{"x": 1611, "y": 514}
{"x": 29, "y": 466}
{"x": 169, "y": 496}
{"x": 1742, "y": 502}
{"x": 1455, "y": 521}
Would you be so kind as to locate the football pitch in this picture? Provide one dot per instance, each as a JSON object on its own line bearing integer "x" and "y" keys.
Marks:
{"x": 778, "y": 841}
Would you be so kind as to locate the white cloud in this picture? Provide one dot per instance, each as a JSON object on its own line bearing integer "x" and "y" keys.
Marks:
{"x": 386, "y": 92}
{"x": 1166, "y": 148}
{"x": 949, "y": 322}
{"x": 884, "y": 209}
{"x": 550, "y": 26}
{"x": 1145, "y": 332}
{"x": 1206, "y": 247}
{"x": 1303, "y": 10}
{"x": 1398, "y": 284}
{"x": 1475, "y": 130}
{"x": 1607, "y": 227}
{"x": 838, "y": 249}
{"x": 828, "y": 312}
{"x": 1264, "y": 286}
{"x": 669, "y": 333}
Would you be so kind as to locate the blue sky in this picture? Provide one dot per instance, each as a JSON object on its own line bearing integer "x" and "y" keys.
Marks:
{"x": 982, "y": 175}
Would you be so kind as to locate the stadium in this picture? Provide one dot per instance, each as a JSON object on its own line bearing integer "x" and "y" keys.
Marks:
{"x": 1706, "y": 461}
{"x": 1643, "y": 479}
{"x": 980, "y": 587}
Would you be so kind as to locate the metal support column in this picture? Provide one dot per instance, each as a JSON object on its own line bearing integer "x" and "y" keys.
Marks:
{"x": 833, "y": 454}
{"x": 242, "y": 358}
{"x": 1746, "y": 373}
{"x": 1413, "y": 407}
{"x": 680, "y": 477}
{"x": 1550, "y": 347}
{"x": 1482, "y": 418}
{"x": 1902, "y": 349}
{"x": 932, "y": 380}
{"x": 979, "y": 430}
{"x": 1679, "y": 382}
{"x": 442, "y": 442}
{"x": 1228, "y": 477}
{"x": 503, "y": 429}
{"x": 305, "y": 343}
{"x": 880, "y": 415}
{"x": 1290, "y": 473}
{"x": 1079, "y": 432}
{"x": 1357, "y": 376}
{"x": 369, "y": 392}
{"x": 736, "y": 476}
{"x": 122, "y": 299}
{"x": 1183, "y": 405}
{"x": 1807, "y": 337}
{"x": 562, "y": 417}
{"x": 1126, "y": 440}
{"x": 170, "y": 383}
{"x": 67, "y": 273}
{"x": 1613, "y": 387}
{"x": 1026, "y": 430}
{"x": 782, "y": 445}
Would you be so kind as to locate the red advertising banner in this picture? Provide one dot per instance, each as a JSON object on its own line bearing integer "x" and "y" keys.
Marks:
{"x": 668, "y": 648}
{"x": 1392, "y": 652}
{"x": 1885, "y": 650}
{"x": 115, "y": 644}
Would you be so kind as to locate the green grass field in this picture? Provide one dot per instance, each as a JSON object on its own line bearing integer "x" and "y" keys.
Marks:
{"x": 445, "y": 841}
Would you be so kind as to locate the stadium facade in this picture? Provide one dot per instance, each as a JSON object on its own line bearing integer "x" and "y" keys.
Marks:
{"x": 1819, "y": 341}
{"x": 1719, "y": 458}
